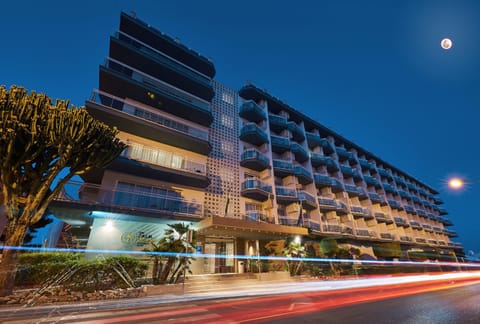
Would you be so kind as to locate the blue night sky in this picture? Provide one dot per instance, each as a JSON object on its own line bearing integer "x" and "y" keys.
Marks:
{"x": 372, "y": 71}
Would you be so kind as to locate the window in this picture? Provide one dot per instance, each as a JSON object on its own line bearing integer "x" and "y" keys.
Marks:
{"x": 227, "y": 121}
{"x": 227, "y": 98}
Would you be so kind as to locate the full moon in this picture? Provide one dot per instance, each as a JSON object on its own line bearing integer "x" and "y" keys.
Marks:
{"x": 446, "y": 43}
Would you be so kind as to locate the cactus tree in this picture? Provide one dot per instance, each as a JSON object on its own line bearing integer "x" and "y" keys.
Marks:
{"x": 42, "y": 146}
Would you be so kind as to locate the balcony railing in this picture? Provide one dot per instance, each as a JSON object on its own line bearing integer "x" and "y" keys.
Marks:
{"x": 297, "y": 131}
{"x": 163, "y": 158}
{"x": 389, "y": 188}
{"x": 277, "y": 122}
{"x": 343, "y": 154}
{"x": 284, "y": 166}
{"x": 256, "y": 216}
{"x": 401, "y": 222}
{"x": 395, "y": 204}
{"x": 409, "y": 209}
{"x": 305, "y": 196}
{"x": 254, "y": 159}
{"x": 415, "y": 224}
{"x": 286, "y": 192}
{"x": 253, "y": 134}
{"x": 280, "y": 144}
{"x": 399, "y": 180}
{"x": 327, "y": 146}
{"x": 322, "y": 180}
{"x": 358, "y": 211}
{"x": 300, "y": 153}
{"x": 313, "y": 139}
{"x": 130, "y": 108}
{"x": 151, "y": 201}
{"x": 365, "y": 233}
{"x": 353, "y": 191}
{"x": 162, "y": 87}
{"x": 404, "y": 194}
{"x": 386, "y": 236}
{"x": 303, "y": 175}
{"x": 406, "y": 239}
{"x": 252, "y": 112}
{"x": 371, "y": 181}
{"x": 382, "y": 217}
{"x": 420, "y": 240}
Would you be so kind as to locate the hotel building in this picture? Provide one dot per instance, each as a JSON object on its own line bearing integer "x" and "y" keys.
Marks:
{"x": 242, "y": 166}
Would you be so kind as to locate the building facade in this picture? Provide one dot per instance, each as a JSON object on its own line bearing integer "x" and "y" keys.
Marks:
{"x": 242, "y": 166}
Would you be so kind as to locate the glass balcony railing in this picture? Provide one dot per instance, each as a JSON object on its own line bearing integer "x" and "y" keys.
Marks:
{"x": 404, "y": 194}
{"x": 412, "y": 187}
{"x": 313, "y": 140}
{"x": 328, "y": 147}
{"x": 353, "y": 190}
{"x": 257, "y": 216}
{"x": 283, "y": 166}
{"x": 365, "y": 233}
{"x": 155, "y": 200}
{"x": 346, "y": 171}
{"x": 385, "y": 173}
{"x": 401, "y": 222}
{"x": 405, "y": 238}
{"x": 130, "y": 108}
{"x": 163, "y": 158}
{"x": 386, "y": 236}
{"x": 253, "y": 134}
{"x": 395, "y": 204}
{"x": 318, "y": 159}
{"x": 158, "y": 85}
{"x": 371, "y": 181}
{"x": 254, "y": 159}
{"x": 382, "y": 217}
{"x": 365, "y": 164}
{"x": 389, "y": 188}
{"x": 322, "y": 180}
{"x": 415, "y": 224}
{"x": 399, "y": 180}
{"x": 337, "y": 185}
{"x": 297, "y": 131}
{"x": 303, "y": 175}
{"x": 256, "y": 184}
{"x": 252, "y": 112}
{"x": 327, "y": 203}
{"x": 343, "y": 154}
{"x": 421, "y": 213}
{"x": 305, "y": 196}
{"x": 286, "y": 192}
{"x": 280, "y": 144}
{"x": 277, "y": 123}
{"x": 301, "y": 155}
{"x": 409, "y": 209}
{"x": 256, "y": 189}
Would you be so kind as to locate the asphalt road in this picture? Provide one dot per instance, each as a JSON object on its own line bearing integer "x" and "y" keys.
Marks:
{"x": 425, "y": 301}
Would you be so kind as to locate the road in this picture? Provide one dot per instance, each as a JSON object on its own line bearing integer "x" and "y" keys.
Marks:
{"x": 420, "y": 299}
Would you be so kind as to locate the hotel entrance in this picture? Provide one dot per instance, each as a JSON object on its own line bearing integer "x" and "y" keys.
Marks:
{"x": 224, "y": 251}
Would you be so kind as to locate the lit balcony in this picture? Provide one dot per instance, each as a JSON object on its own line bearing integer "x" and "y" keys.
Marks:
{"x": 442, "y": 243}
{"x": 301, "y": 155}
{"x": 255, "y": 160}
{"x": 308, "y": 223}
{"x": 427, "y": 227}
{"x": 421, "y": 240}
{"x": 140, "y": 56}
{"x": 437, "y": 230}
{"x": 432, "y": 242}
{"x": 322, "y": 181}
{"x": 252, "y": 112}
{"x": 406, "y": 239}
{"x": 401, "y": 222}
{"x": 286, "y": 195}
{"x": 122, "y": 81}
{"x": 253, "y": 134}
{"x": 353, "y": 191}
{"x": 383, "y": 218}
{"x": 152, "y": 203}
{"x": 415, "y": 225}
{"x": 386, "y": 236}
{"x": 395, "y": 204}
{"x": 280, "y": 144}
{"x": 297, "y": 132}
{"x": 361, "y": 212}
{"x": 277, "y": 123}
{"x": 327, "y": 204}
{"x": 365, "y": 233}
{"x": 421, "y": 213}
{"x": 342, "y": 208}
{"x": 283, "y": 168}
{"x": 313, "y": 140}
{"x": 134, "y": 119}
{"x": 288, "y": 221}
{"x": 256, "y": 189}
{"x": 153, "y": 163}
{"x": 343, "y": 154}
{"x": 450, "y": 233}
{"x": 375, "y": 198}
{"x": 339, "y": 229}
{"x": 303, "y": 175}
{"x": 256, "y": 216}
{"x": 337, "y": 185}
{"x": 307, "y": 200}
{"x": 327, "y": 146}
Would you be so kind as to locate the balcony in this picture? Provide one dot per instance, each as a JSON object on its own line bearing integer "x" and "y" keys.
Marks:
{"x": 122, "y": 81}
{"x": 343, "y": 154}
{"x": 442, "y": 211}
{"x": 301, "y": 155}
{"x": 283, "y": 168}
{"x": 253, "y": 134}
{"x": 135, "y": 119}
{"x": 382, "y": 218}
{"x": 340, "y": 229}
{"x": 303, "y": 175}
{"x": 366, "y": 165}
{"x": 409, "y": 209}
{"x": 421, "y": 213}
{"x": 297, "y": 131}
{"x": 385, "y": 174}
{"x": 420, "y": 240}
{"x": 450, "y": 233}
{"x": 389, "y": 188}
{"x": 342, "y": 208}
{"x": 395, "y": 204}
{"x": 256, "y": 216}
{"x": 427, "y": 228}
{"x": 371, "y": 181}
{"x": 437, "y": 230}
{"x": 327, "y": 146}
{"x": 353, "y": 191}
{"x": 445, "y": 221}
{"x": 412, "y": 187}
{"x": 252, "y": 112}
{"x": 140, "y": 56}
{"x": 152, "y": 203}
{"x": 327, "y": 204}
{"x": 308, "y": 223}
{"x": 307, "y": 200}
{"x": 167, "y": 45}
{"x": 322, "y": 181}
{"x": 432, "y": 242}
{"x": 319, "y": 159}
{"x": 416, "y": 199}
{"x": 361, "y": 212}
{"x": 287, "y": 221}
{"x": 404, "y": 194}
{"x": 337, "y": 185}
{"x": 422, "y": 192}
{"x": 313, "y": 140}
{"x": 415, "y": 225}
{"x": 149, "y": 162}
{"x": 437, "y": 201}
{"x": 442, "y": 243}
{"x": 254, "y": 160}
{"x": 277, "y": 123}
{"x": 405, "y": 238}
{"x": 365, "y": 233}
{"x": 399, "y": 181}
{"x": 280, "y": 144}
{"x": 286, "y": 195}
{"x": 346, "y": 171}
{"x": 386, "y": 236}
{"x": 256, "y": 190}
{"x": 401, "y": 222}
{"x": 375, "y": 198}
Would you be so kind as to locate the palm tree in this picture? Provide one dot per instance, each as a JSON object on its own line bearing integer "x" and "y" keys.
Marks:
{"x": 294, "y": 250}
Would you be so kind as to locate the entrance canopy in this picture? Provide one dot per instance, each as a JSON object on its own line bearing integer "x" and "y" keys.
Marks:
{"x": 233, "y": 227}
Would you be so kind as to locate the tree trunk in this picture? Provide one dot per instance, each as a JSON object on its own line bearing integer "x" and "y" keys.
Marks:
{"x": 8, "y": 267}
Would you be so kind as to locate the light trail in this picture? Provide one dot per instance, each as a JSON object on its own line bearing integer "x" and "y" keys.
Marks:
{"x": 243, "y": 257}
